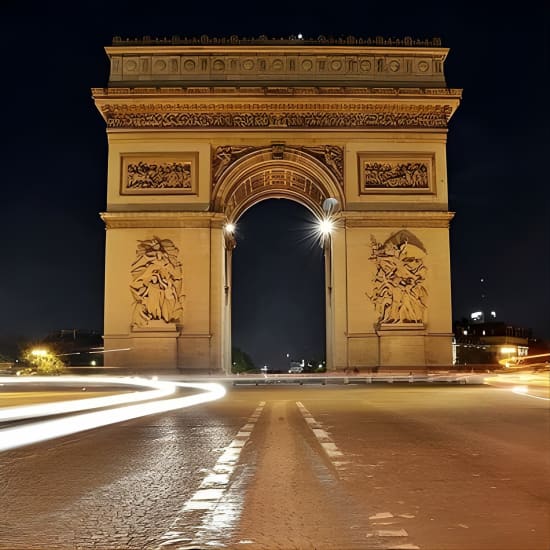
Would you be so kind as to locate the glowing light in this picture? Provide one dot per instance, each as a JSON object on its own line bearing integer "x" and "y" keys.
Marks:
{"x": 507, "y": 350}
{"x": 18, "y": 436}
{"x": 326, "y": 226}
{"x": 520, "y": 389}
{"x": 39, "y": 352}
{"x": 300, "y": 36}
{"x": 476, "y": 315}
{"x": 230, "y": 228}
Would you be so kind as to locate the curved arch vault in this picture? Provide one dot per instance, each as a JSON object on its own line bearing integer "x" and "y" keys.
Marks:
{"x": 201, "y": 130}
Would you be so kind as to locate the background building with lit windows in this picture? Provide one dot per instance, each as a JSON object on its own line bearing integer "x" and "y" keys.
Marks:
{"x": 477, "y": 341}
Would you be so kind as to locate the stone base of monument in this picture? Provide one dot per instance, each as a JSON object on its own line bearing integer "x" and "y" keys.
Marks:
{"x": 402, "y": 345}
{"x": 148, "y": 349}
{"x": 194, "y": 354}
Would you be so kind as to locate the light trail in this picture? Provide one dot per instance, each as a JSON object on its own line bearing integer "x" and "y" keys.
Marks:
{"x": 517, "y": 362}
{"x": 160, "y": 390}
{"x": 35, "y": 432}
{"x": 522, "y": 383}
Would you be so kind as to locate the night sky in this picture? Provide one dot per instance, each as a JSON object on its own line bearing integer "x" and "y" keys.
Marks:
{"x": 54, "y": 151}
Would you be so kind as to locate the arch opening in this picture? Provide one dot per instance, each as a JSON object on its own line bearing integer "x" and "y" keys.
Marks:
{"x": 278, "y": 305}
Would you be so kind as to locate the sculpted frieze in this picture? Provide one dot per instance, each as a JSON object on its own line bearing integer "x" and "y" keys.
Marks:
{"x": 158, "y": 173}
{"x": 395, "y": 175}
{"x": 167, "y": 175}
{"x": 434, "y": 116}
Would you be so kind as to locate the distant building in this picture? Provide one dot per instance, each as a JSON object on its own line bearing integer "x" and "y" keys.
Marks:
{"x": 76, "y": 347}
{"x": 478, "y": 342}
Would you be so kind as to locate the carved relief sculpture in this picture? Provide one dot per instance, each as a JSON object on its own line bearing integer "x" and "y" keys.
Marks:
{"x": 396, "y": 175}
{"x": 226, "y": 155}
{"x": 156, "y": 283}
{"x": 398, "y": 293}
{"x": 183, "y": 116}
{"x": 332, "y": 157}
{"x": 157, "y": 175}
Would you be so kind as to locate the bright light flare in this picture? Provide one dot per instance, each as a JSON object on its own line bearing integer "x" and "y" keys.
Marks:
{"x": 326, "y": 226}
{"x": 230, "y": 228}
{"x": 18, "y": 436}
{"x": 39, "y": 352}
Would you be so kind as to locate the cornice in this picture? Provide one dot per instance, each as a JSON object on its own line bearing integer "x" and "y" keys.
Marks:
{"x": 263, "y": 40}
{"x": 278, "y": 111}
{"x": 121, "y": 92}
{"x": 118, "y": 220}
{"x": 397, "y": 219}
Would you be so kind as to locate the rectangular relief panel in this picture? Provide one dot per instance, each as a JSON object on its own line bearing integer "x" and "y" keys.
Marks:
{"x": 159, "y": 174}
{"x": 396, "y": 173}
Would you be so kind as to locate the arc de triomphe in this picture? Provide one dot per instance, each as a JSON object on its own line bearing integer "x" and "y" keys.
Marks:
{"x": 200, "y": 130}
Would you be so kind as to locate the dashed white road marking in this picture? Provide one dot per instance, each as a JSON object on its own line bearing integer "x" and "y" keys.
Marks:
{"x": 326, "y": 442}
{"x": 212, "y": 490}
{"x": 336, "y": 456}
{"x": 382, "y": 515}
{"x": 392, "y": 533}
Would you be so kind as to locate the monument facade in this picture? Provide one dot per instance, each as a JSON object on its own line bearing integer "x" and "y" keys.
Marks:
{"x": 200, "y": 130}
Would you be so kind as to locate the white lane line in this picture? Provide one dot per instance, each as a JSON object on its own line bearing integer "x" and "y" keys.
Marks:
{"x": 326, "y": 442}
{"x": 211, "y": 493}
{"x": 381, "y": 515}
{"x": 335, "y": 455}
{"x": 392, "y": 533}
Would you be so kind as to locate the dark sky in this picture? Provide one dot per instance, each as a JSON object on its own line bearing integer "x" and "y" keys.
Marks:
{"x": 54, "y": 149}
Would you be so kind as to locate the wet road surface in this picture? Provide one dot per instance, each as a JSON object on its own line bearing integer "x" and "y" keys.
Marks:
{"x": 294, "y": 467}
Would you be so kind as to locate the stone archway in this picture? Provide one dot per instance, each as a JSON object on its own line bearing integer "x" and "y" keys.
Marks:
{"x": 245, "y": 175}
{"x": 200, "y": 130}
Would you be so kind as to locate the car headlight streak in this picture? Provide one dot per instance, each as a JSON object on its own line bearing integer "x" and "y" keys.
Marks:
{"x": 46, "y": 409}
{"x": 35, "y": 432}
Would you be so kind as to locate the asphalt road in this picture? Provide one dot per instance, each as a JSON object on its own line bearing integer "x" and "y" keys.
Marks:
{"x": 339, "y": 467}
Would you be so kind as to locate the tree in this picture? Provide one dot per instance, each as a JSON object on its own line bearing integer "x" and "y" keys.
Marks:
{"x": 240, "y": 361}
{"x": 41, "y": 362}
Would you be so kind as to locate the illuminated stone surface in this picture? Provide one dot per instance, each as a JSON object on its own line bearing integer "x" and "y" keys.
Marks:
{"x": 200, "y": 131}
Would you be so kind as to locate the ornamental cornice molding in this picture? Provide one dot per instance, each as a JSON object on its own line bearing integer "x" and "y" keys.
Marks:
{"x": 295, "y": 116}
{"x": 120, "y": 220}
{"x": 271, "y": 41}
{"x": 120, "y": 92}
{"x": 397, "y": 219}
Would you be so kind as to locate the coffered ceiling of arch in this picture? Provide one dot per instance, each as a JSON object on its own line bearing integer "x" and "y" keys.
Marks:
{"x": 284, "y": 182}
